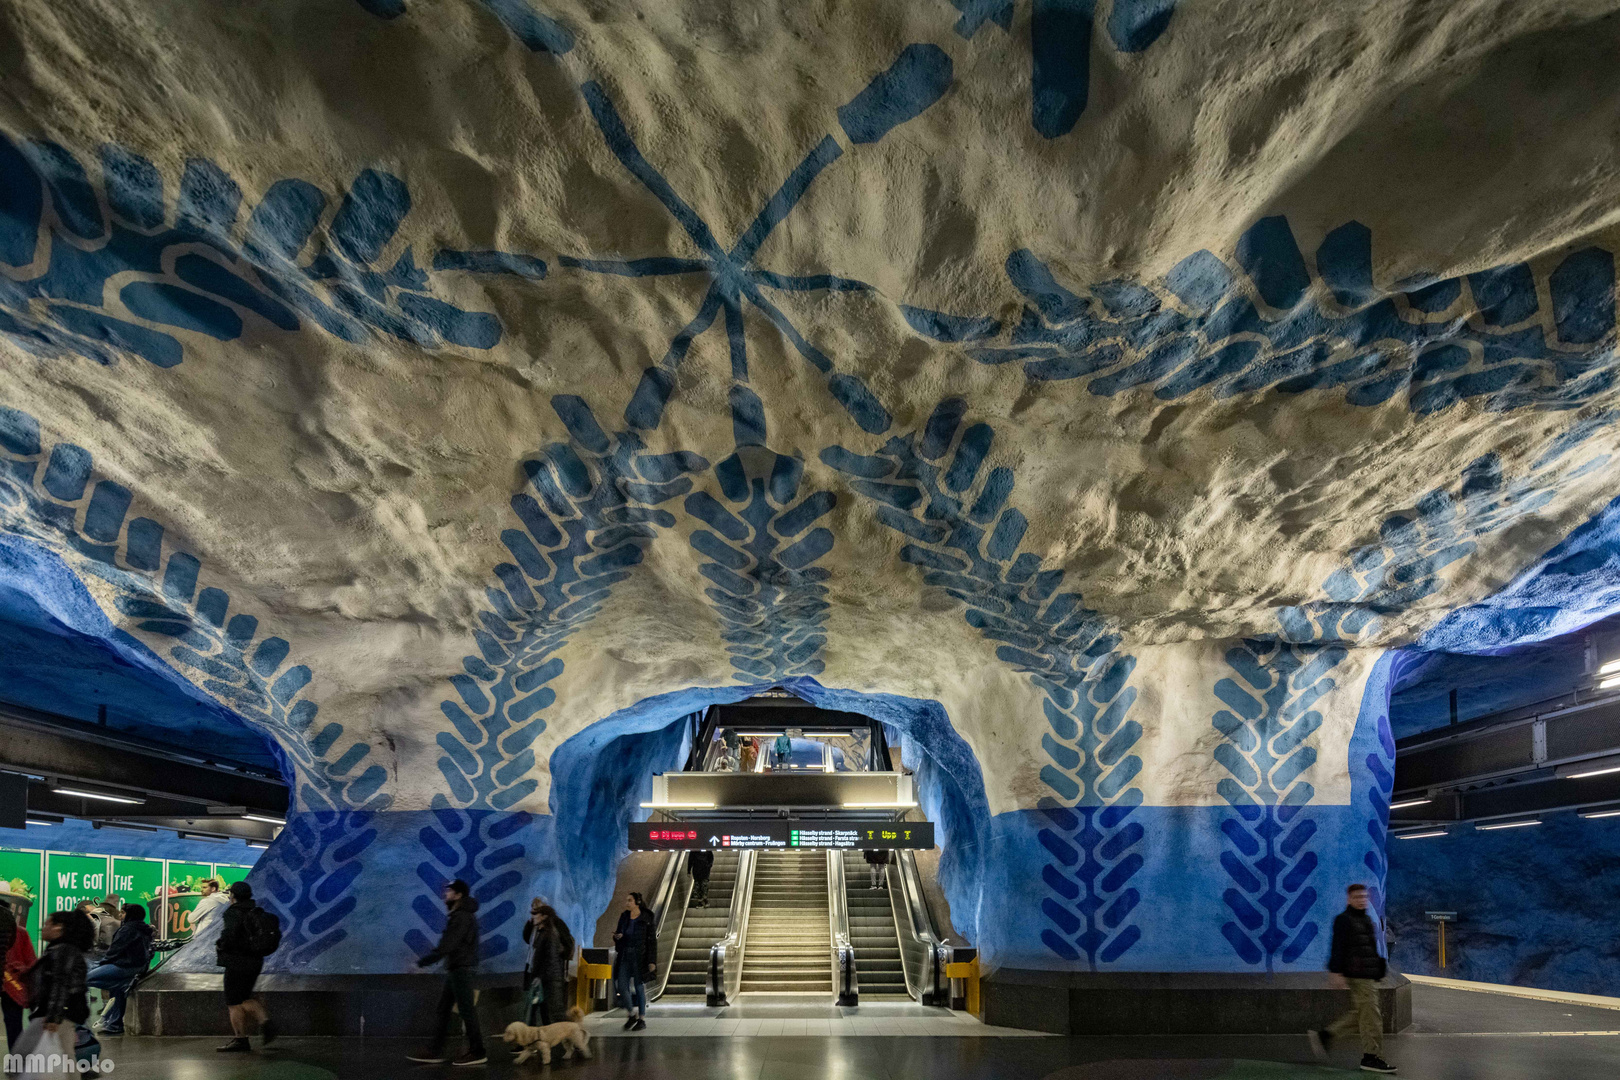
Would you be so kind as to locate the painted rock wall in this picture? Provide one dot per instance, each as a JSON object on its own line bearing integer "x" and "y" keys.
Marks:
{"x": 1093, "y": 393}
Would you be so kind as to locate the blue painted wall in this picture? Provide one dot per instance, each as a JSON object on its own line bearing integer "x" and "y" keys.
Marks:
{"x": 1536, "y": 906}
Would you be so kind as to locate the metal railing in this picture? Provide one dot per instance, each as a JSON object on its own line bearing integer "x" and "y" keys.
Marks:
{"x": 726, "y": 955}
{"x": 922, "y": 954}
{"x": 845, "y": 984}
{"x": 669, "y": 903}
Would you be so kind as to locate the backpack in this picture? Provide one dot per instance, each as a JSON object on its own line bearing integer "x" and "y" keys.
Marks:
{"x": 263, "y": 932}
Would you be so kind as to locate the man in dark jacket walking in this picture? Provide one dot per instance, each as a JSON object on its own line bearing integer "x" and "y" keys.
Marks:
{"x": 701, "y": 863}
{"x": 242, "y": 962}
{"x": 458, "y": 948}
{"x": 1355, "y": 961}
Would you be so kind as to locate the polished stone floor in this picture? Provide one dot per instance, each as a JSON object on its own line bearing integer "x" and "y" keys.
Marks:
{"x": 1457, "y": 1035}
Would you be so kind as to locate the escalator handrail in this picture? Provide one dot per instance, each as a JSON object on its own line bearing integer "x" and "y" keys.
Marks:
{"x": 846, "y": 987}
{"x": 669, "y": 904}
{"x": 913, "y": 922}
{"x": 726, "y": 955}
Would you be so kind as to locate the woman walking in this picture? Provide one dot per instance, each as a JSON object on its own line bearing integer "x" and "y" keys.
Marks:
{"x": 636, "y": 960}
{"x": 61, "y": 1000}
{"x": 551, "y": 946}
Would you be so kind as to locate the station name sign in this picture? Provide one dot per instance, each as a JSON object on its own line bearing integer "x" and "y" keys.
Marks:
{"x": 784, "y": 833}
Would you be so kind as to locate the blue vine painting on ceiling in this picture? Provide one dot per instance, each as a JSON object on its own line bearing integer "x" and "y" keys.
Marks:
{"x": 933, "y": 488}
{"x": 1269, "y": 322}
{"x": 50, "y": 493}
{"x": 185, "y": 269}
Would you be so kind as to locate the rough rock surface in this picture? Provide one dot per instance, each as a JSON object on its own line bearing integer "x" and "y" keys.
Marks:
{"x": 459, "y": 394}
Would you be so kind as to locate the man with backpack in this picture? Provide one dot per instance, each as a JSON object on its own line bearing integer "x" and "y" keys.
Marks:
{"x": 250, "y": 933}
{"x": 701, "y": 863}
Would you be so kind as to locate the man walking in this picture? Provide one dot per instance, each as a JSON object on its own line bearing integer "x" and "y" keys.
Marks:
{"x": 701, "y": 862}
{"x": 249, "y": 934}
{"x": 1354, "y": 960}
{"x": 458, "y": 948}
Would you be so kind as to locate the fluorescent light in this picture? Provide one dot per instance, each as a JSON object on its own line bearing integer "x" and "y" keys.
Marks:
{"x": 81, "y": 793}
{"x": 1609, "y": 681}
{"x": 1605, "y": 771}
{"x": 1601, "y": 813}
{"x": 677, "y": 806}
{"x": 1404, "y": 803}
{"x": 206, "y": 837}
{"x": 879, "y": 805}
{"x": 1610, "y": 668}
{"x": 258, "y": 843}
{"x": 1508, "y": 825}
{"x": 1419, "y": 835}
{"x": 266, "y": 818}
{"x": 127, "y": 825}
{"x": 36, "y": 821}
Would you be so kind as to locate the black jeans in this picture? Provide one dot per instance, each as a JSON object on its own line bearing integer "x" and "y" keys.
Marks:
{"x": 458, "y": 994}
{"x": 14, "y": 1020}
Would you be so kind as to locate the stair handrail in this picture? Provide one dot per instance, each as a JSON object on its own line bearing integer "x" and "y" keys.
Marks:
{"x": 922, "y": 954}
{"x": 726, "y": 955}
{"x": 669, "y": 904}
{"x": 846, "y": 985}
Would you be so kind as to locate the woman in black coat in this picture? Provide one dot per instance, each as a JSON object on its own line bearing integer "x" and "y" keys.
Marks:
{"x": 636, "y": 960}
{"x": 551, "y": 946}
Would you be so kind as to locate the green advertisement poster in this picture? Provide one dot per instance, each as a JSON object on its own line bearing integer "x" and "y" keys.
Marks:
{"x": 140, "y": 881}
{"x": 21, "y": 872}
{"x": 228, "y": 875}
{"x": 70, "y": 879}
{"x": 185, "y": 884}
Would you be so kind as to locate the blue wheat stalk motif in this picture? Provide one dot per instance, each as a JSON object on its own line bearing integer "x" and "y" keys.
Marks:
{"x": 43, "y": 494}
{"x": 1266, "y": 728}
{"x": 770, "y": 597}
{"x": 477, "y": 846}
{"x": 596, "y": 509}
{"x": 308, "y": 878}
{"x": 934, "y": 488}
{"x": 183, "y": 268}
{"x": 1271, "y": 322}
{"x": 1381, "y": 763}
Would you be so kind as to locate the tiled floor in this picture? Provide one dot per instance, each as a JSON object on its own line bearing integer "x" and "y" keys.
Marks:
{"x": 783, "y": 1014}
{"x": 1458, "y": 1035}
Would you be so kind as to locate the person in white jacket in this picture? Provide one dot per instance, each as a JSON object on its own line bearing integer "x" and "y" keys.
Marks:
{"x": 209, "y": 907}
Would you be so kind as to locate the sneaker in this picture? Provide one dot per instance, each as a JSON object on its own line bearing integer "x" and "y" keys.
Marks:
{"x": 629, "y": 1022}
{"x": 1374, "y": 1063}
{"x": 432, "y": 1057}
{"x": 235, "y": 1046}
{"x": 119, "y": 1030}
{"x": 268, "y": 1031}
{"x": 640, "y": 1025}
{"x": 471, "y": 1059}
{"x": 1320, "y": 1041}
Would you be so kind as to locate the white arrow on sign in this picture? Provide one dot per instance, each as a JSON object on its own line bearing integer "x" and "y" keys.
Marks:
{"x": 714, "y": 841}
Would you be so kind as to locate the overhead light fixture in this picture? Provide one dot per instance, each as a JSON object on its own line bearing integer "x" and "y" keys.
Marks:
{"x": 1608, "y": 681}
{"x": 258, "y": 843}
{"x": 128, "y": 825}
{"x": 205, "y": 837}
{"x": 82, "y": 793}
{"x": 38, "y": 821}
{"x": 1507, "y": 825}
{"x": 1580, "y": 770}
{"x": 1610, "y": 668}
{"x": 879, "y": 805}
{"x": 1420, "y": 835}
{"x": 759, "y": 734}
{"x": 268, "y": 819}
{"x": 1404, "y": 803}
{"x": 677, "y": 806}
{"x": 1599, "y": 812}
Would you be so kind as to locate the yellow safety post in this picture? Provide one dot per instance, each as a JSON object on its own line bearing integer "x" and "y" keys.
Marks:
{"x": 1442, "y": 943}
{"x": 970, "y": 973}
{"x": 587, "y": 973}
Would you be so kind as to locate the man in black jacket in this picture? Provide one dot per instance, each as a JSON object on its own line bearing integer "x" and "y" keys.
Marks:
{"x": 458, "y": 948}
{"x": 701, "y": 863}
{"x": 242, "y": 963}
{"x": 1355, "y": 961}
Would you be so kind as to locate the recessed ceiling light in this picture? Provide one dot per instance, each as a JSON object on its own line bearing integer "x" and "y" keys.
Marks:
{"x": 1507, "y": 825}
{"x": 1420, "y": 835}
{"x": 266, "y": 818}
{"x": 1404, "y": 803}
{"x": 82, "y": 793}
{"x": 1589, "y": 814}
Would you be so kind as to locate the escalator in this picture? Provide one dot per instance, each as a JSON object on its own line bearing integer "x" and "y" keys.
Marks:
{"x": 789, "y": 945}
{"x": 872, "y": 933}
{"x": 700, "y": 929}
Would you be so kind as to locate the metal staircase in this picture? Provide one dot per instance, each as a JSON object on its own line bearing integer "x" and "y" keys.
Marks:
{"x": 872, "y": 933}
{"x": 789, "y": 945}
{"x": 702, "y": 928}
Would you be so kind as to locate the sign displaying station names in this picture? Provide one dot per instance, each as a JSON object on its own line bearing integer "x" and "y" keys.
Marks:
{"x": 780, "y": 833}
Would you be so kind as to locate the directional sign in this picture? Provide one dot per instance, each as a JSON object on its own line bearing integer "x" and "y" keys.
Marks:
{"x": 781, "y": 833}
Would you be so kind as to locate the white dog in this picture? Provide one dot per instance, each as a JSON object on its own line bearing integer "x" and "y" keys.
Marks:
{"x": 533, "y": 1039}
